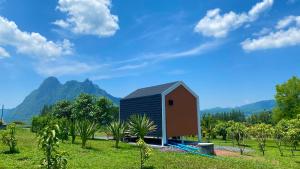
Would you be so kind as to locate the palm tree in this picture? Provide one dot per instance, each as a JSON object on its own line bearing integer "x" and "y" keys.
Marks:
{"x": 117, "y": 129}
{"x": 140, "y": 126}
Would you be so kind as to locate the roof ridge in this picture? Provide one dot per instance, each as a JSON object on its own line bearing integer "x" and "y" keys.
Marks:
{"x": 151, "y": 90}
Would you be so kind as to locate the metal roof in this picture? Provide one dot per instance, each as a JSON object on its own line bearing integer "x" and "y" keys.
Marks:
{"x": 149, "y": 91}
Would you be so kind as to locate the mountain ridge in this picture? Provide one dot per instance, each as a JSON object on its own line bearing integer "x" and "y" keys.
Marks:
{"x": 248, "y": 109}
{"x": 49, "y": 92}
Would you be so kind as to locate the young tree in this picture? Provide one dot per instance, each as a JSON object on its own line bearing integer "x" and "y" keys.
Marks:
{"x": 239, "y": 133}
{"x": 49, "y": 142}
{"x": 106, "y": 111}
{"x": 118, "y": 131}
{"x": 221, "y": 129}
{"x": 208, "y": 123}
{"x": 288, "y": 100}
{"x": 9, "y": 138}
{"x": 140, "y": 126}
{"x": 145, "y": 151}
{"x": 280, "y": 131}
{"x": 293, "y": 134}
{"x": 86, "y": 117}
{"x": 261, "y": 132}
{"x": 64, "y": 110}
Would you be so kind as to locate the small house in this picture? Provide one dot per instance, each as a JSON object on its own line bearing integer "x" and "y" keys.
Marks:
{"x": 173, "y": 107}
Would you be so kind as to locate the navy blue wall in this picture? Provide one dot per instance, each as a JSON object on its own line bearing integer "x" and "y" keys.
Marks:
{"x": 150, "y": 105}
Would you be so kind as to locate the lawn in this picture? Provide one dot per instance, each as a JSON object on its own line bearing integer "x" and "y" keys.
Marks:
{"x": 102, "y": 154}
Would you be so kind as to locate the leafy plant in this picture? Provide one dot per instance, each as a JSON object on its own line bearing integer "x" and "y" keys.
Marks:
{"x": 140, "y": 126}
{"x": 9, "y": 138}
{"x": 287, "y": 99}
{"x": 145, "y": 151}
{"x": 86, "y": 117}
{"x": 221, "y": 129}
{"x": 86, "y": 129}
{"x": 261, "y": 132}
{"x": 280, "y": 131}
{"x": 238, "y": 132}
{"x": 118, "y": 131}
{"x": 49, "y": 142}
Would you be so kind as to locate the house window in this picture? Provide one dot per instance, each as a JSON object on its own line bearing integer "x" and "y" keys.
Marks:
{"x": 171, "y": 102}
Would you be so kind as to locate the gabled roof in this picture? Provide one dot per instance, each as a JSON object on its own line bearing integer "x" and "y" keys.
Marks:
{"x": 150, "y": 91}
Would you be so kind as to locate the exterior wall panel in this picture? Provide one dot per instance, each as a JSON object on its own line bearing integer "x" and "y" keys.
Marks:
{"x": 181, "y": 117}
{"x": 149, "y": 105}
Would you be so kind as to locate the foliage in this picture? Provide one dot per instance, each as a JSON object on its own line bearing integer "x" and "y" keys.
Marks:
{"x": 288, "y": 100}
{"x": 49, "y": 142}
{"x": 9, "y": 138}
{"x": 261, "y": 132}
{"x": 105, "y": 155}
{"x": 106, "y": 111}
{"x": 86, "y": 117}
{"x": 145, "y": 151}
{"x": 262, "y": 117}
{"x": 117, "y": 129}
{"x": 234, "y": 115}
{"x": 140, "y": 126}
{"x": 39, "y": 122}
{"x": 280, "y": 131}
{"x": 208, "y": 123}
{"x": 221, "y": 129}
{"x": 238, "y": 132}
{"x": 64, "y": 110}
{"x": 293, "y": 134}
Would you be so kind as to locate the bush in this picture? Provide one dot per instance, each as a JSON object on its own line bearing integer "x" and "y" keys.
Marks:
{"x": 141, "y": 126}
{"x": 9, "y": 138}
{"x": 117, "y": 129}
{"x": 49, "y": 142}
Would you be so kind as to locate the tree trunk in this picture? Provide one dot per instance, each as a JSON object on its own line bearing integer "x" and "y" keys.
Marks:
{"x": 117, "y": 143}
{"x": 83, "y": 144}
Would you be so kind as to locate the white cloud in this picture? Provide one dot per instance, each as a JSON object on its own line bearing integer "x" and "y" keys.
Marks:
{"x": 264, "y": 31}
{"x": 287, "y": 34}
{"x": 64, "y": 67}
{"x": 31, "y": 43}
{"x": 287, "y": 21}
{"x": 198, "y": 50}
{"x": 217, "y": 25}
{"x": 132, "y": 66}
{"x": 3, "y": 53}
{"x": 89, "y": 17}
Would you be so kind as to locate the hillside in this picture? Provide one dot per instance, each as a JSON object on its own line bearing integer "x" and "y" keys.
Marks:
{"x": 248, "y": 109}
{"x": 51, "y": 91}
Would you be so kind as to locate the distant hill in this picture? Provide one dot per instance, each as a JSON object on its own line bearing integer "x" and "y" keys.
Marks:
{"x": 51, "y": 91}
{"x": 248, "y": 109}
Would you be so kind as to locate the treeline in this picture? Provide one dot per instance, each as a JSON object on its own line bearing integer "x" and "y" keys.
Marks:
{"x": 281, "y": 124}
{"x": 83, "y": 116}
{"x": 238, "y": 116}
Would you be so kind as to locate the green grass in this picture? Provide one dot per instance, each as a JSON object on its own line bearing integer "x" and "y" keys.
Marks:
{"x": 102, "y": 154}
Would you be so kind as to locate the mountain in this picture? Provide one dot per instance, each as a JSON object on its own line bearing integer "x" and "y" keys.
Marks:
{"x": 51, "y": 91}
{"x": 248, "y": 109}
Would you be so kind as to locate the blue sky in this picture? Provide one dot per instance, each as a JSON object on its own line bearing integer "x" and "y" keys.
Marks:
{"x": 227, "y": 52}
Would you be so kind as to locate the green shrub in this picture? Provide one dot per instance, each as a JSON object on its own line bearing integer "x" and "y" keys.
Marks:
{"x": 117, "y": 129}
{"x": 140, "y": 126}
{"x": 9, "y": 138}
{"x": 49, "y": 143}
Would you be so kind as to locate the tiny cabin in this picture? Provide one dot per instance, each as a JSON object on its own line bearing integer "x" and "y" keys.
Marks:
{"x": 173, "y": 107}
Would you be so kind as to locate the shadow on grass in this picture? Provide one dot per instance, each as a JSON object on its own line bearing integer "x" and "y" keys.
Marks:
{"x": 9, "y": 152}
{"x": 148, "y": 167}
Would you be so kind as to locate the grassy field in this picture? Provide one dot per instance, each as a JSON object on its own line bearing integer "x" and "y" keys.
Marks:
{"x": 102, "y": 154}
